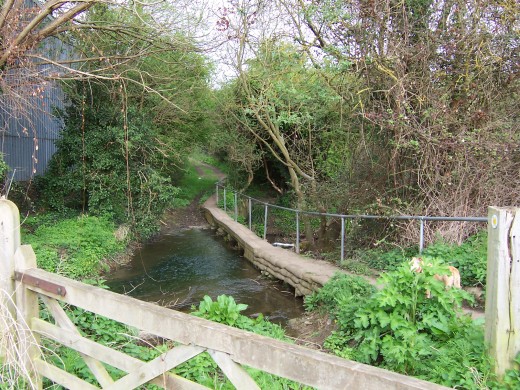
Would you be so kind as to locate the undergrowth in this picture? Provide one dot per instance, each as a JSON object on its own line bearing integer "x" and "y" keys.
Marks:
{"x": 192, "y": 184}
{"x": 470, "y": 258}
{"x": 399, "y": 328}
{"x": 73, "y": 247}
{"x": 201, "y": 369}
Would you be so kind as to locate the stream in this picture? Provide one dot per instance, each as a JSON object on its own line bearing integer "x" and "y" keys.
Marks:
{"x": 178, "y": 269}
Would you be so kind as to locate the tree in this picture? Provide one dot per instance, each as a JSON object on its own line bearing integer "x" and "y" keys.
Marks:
{"x": 121, "y": 145}
{"x": 440, "y": 95}
{"x": 93, "y": 40}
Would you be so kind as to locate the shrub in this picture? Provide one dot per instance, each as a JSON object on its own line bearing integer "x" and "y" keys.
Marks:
{"x": 340, "y": 291}
{"x": 74, "y": 247}
{"x": 400, "y": 329}
{"x": 470, "y": 258}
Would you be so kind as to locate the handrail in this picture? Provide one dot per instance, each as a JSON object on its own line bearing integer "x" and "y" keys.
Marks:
{"x": 421, "y": 218}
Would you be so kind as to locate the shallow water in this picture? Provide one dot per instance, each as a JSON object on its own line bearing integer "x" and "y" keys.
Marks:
{"x": 178, "y": 270}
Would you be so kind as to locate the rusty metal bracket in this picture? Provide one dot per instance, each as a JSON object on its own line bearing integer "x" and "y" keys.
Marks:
{"x": 45, "y": 285}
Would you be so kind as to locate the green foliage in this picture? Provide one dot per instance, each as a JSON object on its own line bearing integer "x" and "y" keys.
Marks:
{"x": 73, "y": 247}
{"x": 385, "y": 260}
{"x": 4, "y": 168}
{"x": 355, "y": 267}
{"x": 109, "y": 163}
{"x": 230, "y": 199}
{"x": 284, "y": 220}
{"x": 470, "y": 258}
{"x": 401, "y": 329}
{"x": 511, "y": 379}
{"x": 192, "y": 184}
{"x": 340, "y": 289}
{"x": 224, "y": 310}
{"x": 202, "y": 369}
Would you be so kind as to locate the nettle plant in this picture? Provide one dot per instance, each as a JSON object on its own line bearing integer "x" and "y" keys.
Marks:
{"x": 403, "y": 330}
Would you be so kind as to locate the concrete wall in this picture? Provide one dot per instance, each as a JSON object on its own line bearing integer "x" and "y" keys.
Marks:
{"x": 304, "y": 274}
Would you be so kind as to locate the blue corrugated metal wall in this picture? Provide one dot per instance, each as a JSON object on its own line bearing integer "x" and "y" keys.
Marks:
{"x": 29, "y": 133}
{"x": 28, "y": 126}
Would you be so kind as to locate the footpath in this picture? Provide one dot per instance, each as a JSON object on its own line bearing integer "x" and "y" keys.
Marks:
{"x": 304, "y": 274}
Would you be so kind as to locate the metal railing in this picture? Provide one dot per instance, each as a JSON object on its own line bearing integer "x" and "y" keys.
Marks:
{"x": 421, "y": 218}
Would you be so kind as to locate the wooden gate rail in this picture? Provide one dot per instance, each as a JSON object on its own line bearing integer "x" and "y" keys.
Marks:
{"x": 229, "y": 347}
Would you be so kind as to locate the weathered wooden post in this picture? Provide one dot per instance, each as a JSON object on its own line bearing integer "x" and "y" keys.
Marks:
{"x": 19, "y": 303}
{"x": 27, "y": 304}
{"x": 9, "y": 243}
{"x": 503, "y": 287}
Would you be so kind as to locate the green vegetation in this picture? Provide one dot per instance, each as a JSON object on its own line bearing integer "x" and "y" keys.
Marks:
{"x": 226, "y": 311}
{"x": 76, "y": 247}
{"x": 470, "y": 258}
{"x": 192, "y": 183}
{"x": 201, "y": 369}
{"x": 401, "y": 329}
{"x": 344, "y": 116}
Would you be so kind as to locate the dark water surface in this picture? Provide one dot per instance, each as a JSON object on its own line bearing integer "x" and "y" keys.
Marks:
{"x": 177, "y": 271}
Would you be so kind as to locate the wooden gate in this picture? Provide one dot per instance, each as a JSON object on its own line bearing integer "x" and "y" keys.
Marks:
{"x": 230, "y": 348}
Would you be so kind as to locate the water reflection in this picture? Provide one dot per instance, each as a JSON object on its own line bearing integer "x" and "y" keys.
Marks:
{"x": 178, "y": 270}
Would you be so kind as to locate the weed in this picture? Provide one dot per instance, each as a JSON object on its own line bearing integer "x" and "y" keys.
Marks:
{"x": 400, "y": 329}
{"x": 74, "y": 247}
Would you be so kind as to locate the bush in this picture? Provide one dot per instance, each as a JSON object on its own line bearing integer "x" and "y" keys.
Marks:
{"x": 73, "y": 247}
{"x": 470, "y": 258}
{"x": 109, "y": 164}
{"x": 400, "y": 329}
{"x": 339, "y": 292}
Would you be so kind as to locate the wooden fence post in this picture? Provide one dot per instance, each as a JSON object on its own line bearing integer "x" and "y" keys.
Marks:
{"x": 27, "y": 304}
{"x": 19, "y": 302}
{"x": 9, "y": 243}
{"x": 503, "y": 287}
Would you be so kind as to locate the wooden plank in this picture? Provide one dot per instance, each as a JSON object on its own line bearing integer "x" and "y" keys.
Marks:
{"x": 301, "y": 364}
{"x": 514, "y": 236}
{"x": 99, "y": 371}
{"x": 148, "y": 371}
{"x": 9, "y": 243}
{"x": 110, "y": 356}
{"x": 502, "y": 290}
{"x": 27, "y": 304}
{"x": 61, "y": 377}
{"x": 234, "y": 372}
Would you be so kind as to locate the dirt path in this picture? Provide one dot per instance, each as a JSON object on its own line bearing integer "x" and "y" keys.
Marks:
{"x": 192, "y": 216}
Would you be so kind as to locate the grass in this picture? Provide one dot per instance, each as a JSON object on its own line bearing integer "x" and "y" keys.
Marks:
{"x": 15, "y": 340}
{"x": 193, "y": 184}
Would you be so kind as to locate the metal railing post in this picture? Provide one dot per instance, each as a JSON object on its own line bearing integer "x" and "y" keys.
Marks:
{"x": 249, "y": 210}
{"x": 265, "y": 222}
{"x": 217, "y": 193}
{"x": 342, "y": 238}
{"x": 236, "y": 206}
{"x": 421, "y": 236}
{"x": 225, "y": 200}
{"x": 297, "y": 232}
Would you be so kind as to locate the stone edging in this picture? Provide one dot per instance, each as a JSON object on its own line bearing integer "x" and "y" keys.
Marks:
{"x": 304, "y": 274}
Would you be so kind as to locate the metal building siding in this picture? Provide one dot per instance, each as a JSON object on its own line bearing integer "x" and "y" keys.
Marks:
{"x": 28, "y": 138}
{"x": 28, "y": 127}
